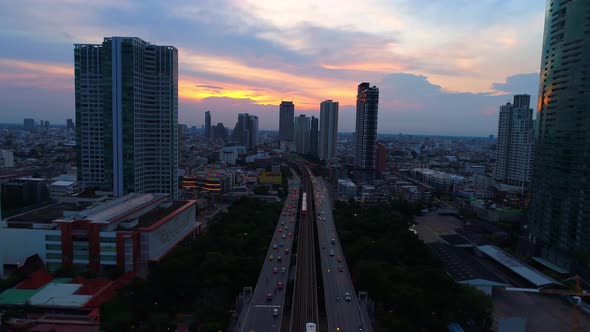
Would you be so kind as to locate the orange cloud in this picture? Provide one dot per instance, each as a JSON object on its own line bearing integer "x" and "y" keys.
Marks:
{"x": 55, "y": 69}
{"x": 373, "y": 67}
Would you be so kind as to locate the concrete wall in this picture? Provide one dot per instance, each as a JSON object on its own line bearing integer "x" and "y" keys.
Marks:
{"x": 163, "y": 238}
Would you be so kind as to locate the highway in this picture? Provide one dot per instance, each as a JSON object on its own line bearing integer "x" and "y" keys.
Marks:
{"x": 305, "y": 305}
{"x": 343, "y": 314}
{"x": 260, "y": 314}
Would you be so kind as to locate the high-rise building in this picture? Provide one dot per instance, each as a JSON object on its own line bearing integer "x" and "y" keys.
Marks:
{"x": 514, "y": 151}
{"x": 313, "y": 137}
{"x": 367, "y": 103}
{"x": 70, "y": 124}
{"x": 219, "y": 132}
{"x": 208, "y": 133}
{"x": 286, "y": 121}
{"x": 246, "y": 131}
{"x": 302, "y": 128}
{"x": 29, "y": 124}
{"x": 559, "y": 213}
{"x": 6, "y": 159}
{"x": 127, "y": 107}
{"x": 381, "y": 158}
{"x": 328, "y": 129}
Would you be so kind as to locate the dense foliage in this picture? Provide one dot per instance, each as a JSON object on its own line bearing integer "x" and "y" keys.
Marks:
{"x": 202, "y": 277}
{"x": 411, "y": 290}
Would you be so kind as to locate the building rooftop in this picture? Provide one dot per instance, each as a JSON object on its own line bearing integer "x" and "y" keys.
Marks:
{"x": 158, "y": 214}
{"x": 44, "y": 215}
{"x": 530, "y": 274}
{"x": 460, "y": 264}
{"x": 59, "y": 295}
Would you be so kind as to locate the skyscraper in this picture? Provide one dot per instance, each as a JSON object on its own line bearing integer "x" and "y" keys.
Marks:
{"x": 328, "y": 129}
{"x": 126, "y": 93}
{"x": 286, "y": 119}
{"x": 207, "y": 133}
{"x": 367, "y": 103}
{"x": 515, "y": 142}
{"x": 29, "y": 124}
{"x": 70, "y": 124}
{"x": 313, "y": 137}
{"x": 559, "y": 213}
{"x": 219, "y": 132}
{"x": 302, "y": 128}
{"x": 246, "y": 131}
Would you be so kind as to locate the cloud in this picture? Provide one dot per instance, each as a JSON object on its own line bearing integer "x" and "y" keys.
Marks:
{"x": 521, "y": 83}
{"x": 212, "y": 87}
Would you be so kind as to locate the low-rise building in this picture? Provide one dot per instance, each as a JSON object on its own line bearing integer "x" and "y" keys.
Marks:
{"x": 128, "y": 232}
{"x": 59, "y": 189}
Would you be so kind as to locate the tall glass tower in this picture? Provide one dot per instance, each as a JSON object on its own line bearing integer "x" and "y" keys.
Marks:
{"x": 126, "y": 93}
{"x": 559, "y": 212}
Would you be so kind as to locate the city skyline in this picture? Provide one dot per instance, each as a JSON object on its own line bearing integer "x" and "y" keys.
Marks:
{"x": 431, "y": 79}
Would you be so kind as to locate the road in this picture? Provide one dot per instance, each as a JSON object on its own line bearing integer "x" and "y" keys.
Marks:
{"x": 305, "y": 305}
{"x": 259, "y": 314}
{"x": 342, "y": 314}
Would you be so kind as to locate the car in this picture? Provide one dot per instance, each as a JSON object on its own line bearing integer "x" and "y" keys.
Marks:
{"x": 275, "y": 270}
{"x": 347, "y": 297}
{"x": 282, "y": 222}
{"x": 339, "y": 259}
{"x": 283, "y": 270}
{"x": 284, "y": 236}
{"x": 331, "y": 252}
{"x": 280, "y": 230}
{"x": 269, "y": 297}
{"x": 286, "y": 228}
{"x": 281, "y": 244}
{"x": 279, "y": 259}
{"x": 271, "y": 257}
{"x": 333, "y": 241}
{"x": 290, "y": 234}
{"x": 280, "y": 285}
{"x": 286, "y": 251}
{"x": 275, "y": 312}
{"x": 323, "y": 246}
{"x": 274, "y": 246}
{"x": 340, "y": 268}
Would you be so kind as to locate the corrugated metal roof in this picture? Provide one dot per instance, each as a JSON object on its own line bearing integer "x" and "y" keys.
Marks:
{"x": 15, "y": 296}
{"x": 532, "y": 275}
{"x": 59, "y": 295}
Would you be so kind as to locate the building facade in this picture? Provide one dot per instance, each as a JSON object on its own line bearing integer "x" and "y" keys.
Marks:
{"x": 126, "y": 93}
{"x": 286, "y": 121}
{"x": 313, "y": 137}
{"x": 29, "y": 124}
{"x": 246, "y": 131}
{"x": 328, "y": 129}
{"x": 367, "y": 104}
{"x": 381, "y": 158}
{"x": 514, "y": 149}
{"x": 207, "y": 133}
{"x": 302, "y": 128}
{"x": 559, "y": 215}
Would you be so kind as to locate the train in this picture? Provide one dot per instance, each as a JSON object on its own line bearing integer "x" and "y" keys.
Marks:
{"x": 310, "y": 327}
{"x": 304, "y": 204}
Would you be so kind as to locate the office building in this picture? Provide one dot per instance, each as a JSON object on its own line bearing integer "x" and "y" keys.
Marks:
{"x": 70, "y": 124}
{"x": 302, "y": 128}
{"x": 29, "y": 124}
{"x": 381, "y": 158}
{"x": 246, "y": 131}
{"x": 127, "y": 111}
{"x": 286, "y": 121}
{"x": 559, "y": 213}
{"x": 367, "y": 103}
{"x": 208, "y": 133}
{"x": 514, "y": 150}
{"x": 6, "y": 159}
{"x": 328, "y": 129}
{"x": 313, "y": 137}
{"x": 219, "y": 132}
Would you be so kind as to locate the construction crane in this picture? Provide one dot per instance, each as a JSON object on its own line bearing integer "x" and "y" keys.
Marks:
{"x": 575, "y": 296}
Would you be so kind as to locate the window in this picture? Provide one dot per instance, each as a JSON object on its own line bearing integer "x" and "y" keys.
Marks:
{"x": 108, "y": 239}
{"x": 53, "y": 247}
{"x": 53, "y": 256}
{"x": 53, "y": 238}
{"x": 106, "y": 258}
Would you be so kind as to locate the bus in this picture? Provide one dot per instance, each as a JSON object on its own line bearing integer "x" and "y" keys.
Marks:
{"x": 310, "y": 327}
{"x": 304, "y": 204}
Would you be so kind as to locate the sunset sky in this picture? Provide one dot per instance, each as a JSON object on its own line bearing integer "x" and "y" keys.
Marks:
{"x": 443, "y": 67}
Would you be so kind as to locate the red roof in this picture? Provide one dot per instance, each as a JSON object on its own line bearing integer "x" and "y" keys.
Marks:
{"x": 37, "y": 280}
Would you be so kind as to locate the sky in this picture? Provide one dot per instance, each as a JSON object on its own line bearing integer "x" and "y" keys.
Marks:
{"x": 443, "y": 67}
